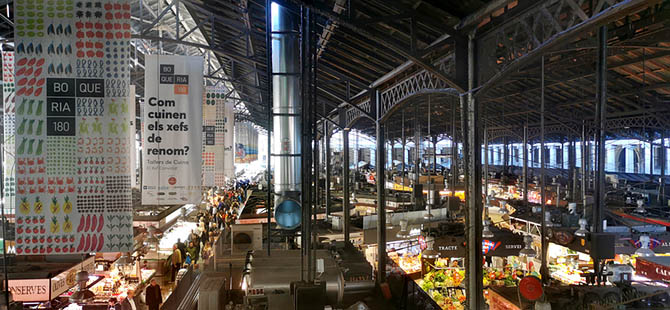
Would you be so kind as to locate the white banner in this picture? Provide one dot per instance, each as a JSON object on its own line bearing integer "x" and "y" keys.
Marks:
{"x": 132, "y": 131}
{"x": 9, "y": 117}
{"x": 73, "y": 192}
{"x": 228, "y": 141}
{"x": 172, "y": 132}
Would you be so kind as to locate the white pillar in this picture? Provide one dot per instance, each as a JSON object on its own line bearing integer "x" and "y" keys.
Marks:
{"x": 553, "y": 157}
{"x": 610, "y": 158}
{"x": 647, "y": 157}
{"x": 630, "y": 159}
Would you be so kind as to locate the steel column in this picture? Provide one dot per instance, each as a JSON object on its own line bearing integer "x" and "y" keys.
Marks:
{"x": 345, "y": 183}
{"x": 583, "y": 168}
{"x": 601, "y": 117}
{"x": 544, "y": 271}
{"x": 268, "y": 55}
{"x": 326, "y": 132}
{"x": 417, "y": 153}
{"x": 381, "y": 191}
{"x": 663, "y": 158}
{"x": 525, "y": 165}
{"x": 454, "y": 151}
{"x": 474, "y": 256}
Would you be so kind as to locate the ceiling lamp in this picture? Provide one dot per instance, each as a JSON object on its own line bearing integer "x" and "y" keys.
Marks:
{"x": 528, "y": 250}
{"x": 486, "y": 231}
{"x": 582, "y": 231}
{"x": 82, "y": 295}
{"x": 429, "y": 253}
{"x": 644, "y": 249}
{"x": 389, "y": 221}
{"x": 503, "y": 208}
{"x": 124, "y": 260}
{"x": 403, "y": 233}
{"x": 640, "y": 207}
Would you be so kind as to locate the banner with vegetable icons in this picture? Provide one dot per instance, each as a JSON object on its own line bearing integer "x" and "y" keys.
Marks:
{"x": 72, "y": 164}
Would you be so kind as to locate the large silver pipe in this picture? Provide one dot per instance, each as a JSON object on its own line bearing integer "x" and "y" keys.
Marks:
{"x": 286, "y": 109}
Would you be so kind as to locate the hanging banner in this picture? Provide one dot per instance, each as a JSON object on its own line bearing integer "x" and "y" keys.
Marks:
{"x": 246, "y": 143}
{"x": 132, "y": 132}
{"x": 214, "y": 126}
{"x": 72, "y": 168}
{"x": 228, "y": 141}
{"x": 8, "y": 120}
{"x": 172, "y": 133}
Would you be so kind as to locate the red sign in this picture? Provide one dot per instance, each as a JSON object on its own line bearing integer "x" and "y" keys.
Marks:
{"x": 172, "y": 181}
{"x": 654, "y": 268}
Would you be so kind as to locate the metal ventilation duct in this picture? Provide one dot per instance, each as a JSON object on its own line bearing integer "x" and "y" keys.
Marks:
{"x": 286, "y": 109}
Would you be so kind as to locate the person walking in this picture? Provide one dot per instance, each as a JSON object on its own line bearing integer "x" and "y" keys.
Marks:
{"x": 129, "y": 303}
{"x": 176, "y": 261}
{"x": 153, "y": 295}
{"x": 193, "y": 251}
{"x": 182, "y": 249}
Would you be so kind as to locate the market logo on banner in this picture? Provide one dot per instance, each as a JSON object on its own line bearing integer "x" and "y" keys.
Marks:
{"x": 180, "y": 81}
{"x": 489, "y": 246}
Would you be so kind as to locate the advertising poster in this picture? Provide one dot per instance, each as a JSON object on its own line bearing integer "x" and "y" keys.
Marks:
{"x": 72, "y": 150}
{"x": 246, "y": 143}
{"x": 9, "y": 117}
{"x": 172, "y": 133}
{"x": 216, "y": 123}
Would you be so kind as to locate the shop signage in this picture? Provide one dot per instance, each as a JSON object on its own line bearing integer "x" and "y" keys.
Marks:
{"x": 30, "y": 290}
{"x": 655, "y": 268}
{"x": 504, "y": 243}
{"x": 172, "y": 140}
{"x": 67, "y": 279}
{"x": 71, "y": 141}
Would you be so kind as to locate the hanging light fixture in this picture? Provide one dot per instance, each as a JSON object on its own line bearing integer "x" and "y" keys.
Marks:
{"x": 152, "y": 241}
{"x": 389, "y": 221}
{"x": 403, "y": 233}
{"x": 528, "y": 250}
{"x": 503, "y": 208}
{"x": 429, "y": 253}
{"x": 644, "y": 250}
{"x": 486, "y": 231}
{"x": 640, "y": 207}
{"x": 582, "y": 231}
{"x": 82, "y": 295}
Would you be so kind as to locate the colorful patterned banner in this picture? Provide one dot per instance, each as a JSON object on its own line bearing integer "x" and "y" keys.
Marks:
{"x": 72, "y": 161}
{"x": 172, "y": 130}
{"x": 9, "y": 117}
{"x": 216, "y": 123}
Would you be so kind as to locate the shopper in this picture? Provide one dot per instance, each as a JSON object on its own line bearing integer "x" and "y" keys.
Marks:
{"x": 129, "y": 303}
{"x": 111, "y": 304}
{"x": 153, "y": 295}
{"x": 182, "y": 249}
{"x": 176, "y": 261}
{"x": 193, "y": 251}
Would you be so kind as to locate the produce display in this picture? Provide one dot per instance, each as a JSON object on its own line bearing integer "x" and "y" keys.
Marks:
{"x": 408, "y": 263}
{"x": 506, "y": 277}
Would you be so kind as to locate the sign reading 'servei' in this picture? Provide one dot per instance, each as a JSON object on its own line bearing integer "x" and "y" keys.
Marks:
{"x": 172, "y": 130}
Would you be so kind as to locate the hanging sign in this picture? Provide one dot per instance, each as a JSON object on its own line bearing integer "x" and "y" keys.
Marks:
{"x": 30, "y": 290}
{"x": 215, "y": 126}
{"x": 68, "y": 278}
{"x": 72, "y": 148}
{"x": 9, "y": 117}
{"x": 172, "y": 132}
